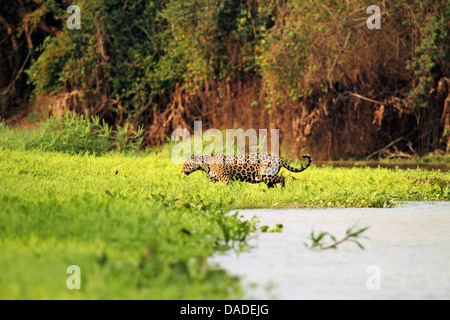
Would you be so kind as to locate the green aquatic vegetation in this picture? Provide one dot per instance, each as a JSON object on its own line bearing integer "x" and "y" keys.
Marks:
{"x": 116, "y": 218}
{"x": 278, "y": 228}
{"x": 351, "y": 235}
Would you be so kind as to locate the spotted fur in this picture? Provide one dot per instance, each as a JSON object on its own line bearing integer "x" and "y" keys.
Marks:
{"x": 253, "y": 167}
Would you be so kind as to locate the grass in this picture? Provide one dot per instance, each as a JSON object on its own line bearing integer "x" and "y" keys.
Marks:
{"x": 115, "y": 217}
{"x": 72, "y": 133}
{"x": 139, "y": 229}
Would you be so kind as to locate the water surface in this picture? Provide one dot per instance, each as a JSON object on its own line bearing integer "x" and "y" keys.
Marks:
{"x": 408, "y": 247}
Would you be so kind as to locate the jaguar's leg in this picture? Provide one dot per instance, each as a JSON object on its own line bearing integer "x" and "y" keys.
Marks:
{"x": 223, "y": 178}
{"x": 282, "y": 179}
{"x": 268, "y": 181}
{"x": 272, "y": 181}
{"x": 211, "y": 177}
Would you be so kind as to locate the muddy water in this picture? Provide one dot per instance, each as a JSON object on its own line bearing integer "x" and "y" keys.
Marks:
{"x": 407, "y": 255}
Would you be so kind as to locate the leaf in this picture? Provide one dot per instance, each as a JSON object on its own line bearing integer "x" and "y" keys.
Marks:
{"x": 321, "y": 235}
{"x": 358, "y": 232}
{"x": 359, "y": 244}
{"x": 349, "y": 230}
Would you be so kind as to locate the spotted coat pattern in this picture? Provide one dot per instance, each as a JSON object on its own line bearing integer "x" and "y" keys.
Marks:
{"x": 253, "y": 167}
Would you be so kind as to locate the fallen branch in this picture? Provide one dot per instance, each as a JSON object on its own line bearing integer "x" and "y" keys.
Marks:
{"x": 396, "y": 154}
{"x": 384, "y": 148}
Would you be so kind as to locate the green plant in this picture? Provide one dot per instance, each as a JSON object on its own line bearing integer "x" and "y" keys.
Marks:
{"x": 277, "y": 228}
{"x": 431, "y": 52}
{"x": 350, "y": 235}
{"x": 75, "y": 134}
{"x": 133, "y": 234}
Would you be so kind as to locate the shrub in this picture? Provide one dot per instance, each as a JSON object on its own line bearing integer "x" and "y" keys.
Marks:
{"x": 74, "y": 134}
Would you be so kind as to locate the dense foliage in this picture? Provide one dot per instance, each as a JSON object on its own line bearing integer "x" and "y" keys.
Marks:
{"x": 311, "y": 68}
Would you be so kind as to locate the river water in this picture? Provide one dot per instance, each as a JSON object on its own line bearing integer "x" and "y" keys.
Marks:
{"x": 406, "y": 256}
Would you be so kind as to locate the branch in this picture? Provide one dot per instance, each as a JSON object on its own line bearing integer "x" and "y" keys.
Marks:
{"x": 384, "y": 148}
{"x": 338, "y": 56}
{"x": 11, "y": 33}
{"x": 367, "y": 99}
{"x": 50, "y": 30}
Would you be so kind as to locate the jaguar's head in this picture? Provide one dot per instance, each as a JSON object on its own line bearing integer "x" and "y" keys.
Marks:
{"x": 192, "y": 164}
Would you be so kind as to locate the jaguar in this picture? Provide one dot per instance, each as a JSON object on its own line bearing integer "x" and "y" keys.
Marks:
{"x": 247, "y": 167}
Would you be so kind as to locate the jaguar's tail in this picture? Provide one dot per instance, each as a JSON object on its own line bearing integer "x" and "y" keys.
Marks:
{"x": 284, "y": 164}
